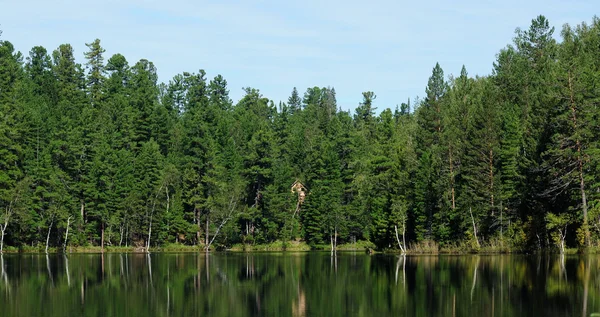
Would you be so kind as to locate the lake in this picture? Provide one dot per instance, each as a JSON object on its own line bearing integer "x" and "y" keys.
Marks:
{"x": 297, "y": 284}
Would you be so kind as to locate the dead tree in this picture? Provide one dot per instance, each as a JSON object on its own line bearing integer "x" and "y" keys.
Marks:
{"x": 299, "y": 189}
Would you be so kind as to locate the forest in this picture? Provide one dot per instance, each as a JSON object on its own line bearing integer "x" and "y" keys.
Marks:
{"x": 102, "y": 154}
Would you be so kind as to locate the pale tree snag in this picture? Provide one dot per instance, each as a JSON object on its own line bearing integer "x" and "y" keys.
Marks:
{"x": 6, "y": 215}
{"x": 333, "y": 239}
{"x": 3, "y": 229}
{"x": 48, "y": 235}
{"x": 149, "y": 235}
{"x": 230, "y": 211}
{"x": 398, "y": 239}
{"x": 150, "y": 218}
{"x": 198, "y": 224}
{"x": 67, "y": 235}
{"x": 474, "y": 228}
{"x": 298, "y": 188}
{"x": 206, "y": 232}
{"x": 102, "y": 237}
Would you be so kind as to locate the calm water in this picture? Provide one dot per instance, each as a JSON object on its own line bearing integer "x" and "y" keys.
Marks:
{"x": 302, "y": 284}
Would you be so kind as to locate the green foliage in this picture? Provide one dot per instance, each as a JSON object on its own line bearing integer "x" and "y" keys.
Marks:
{"x": 107, "y": 153}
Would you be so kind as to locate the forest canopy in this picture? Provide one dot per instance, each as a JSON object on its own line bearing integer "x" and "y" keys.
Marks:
{"x": 101, "y": 153}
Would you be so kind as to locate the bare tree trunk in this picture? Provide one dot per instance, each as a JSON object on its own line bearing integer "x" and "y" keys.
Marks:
{"x": 7, "y": 214}
{"x": 121, "y": 230}
{"x": 3, "y": 229}
{"x": 231, "y": 207}
{"x": 168, "y": 203}
{"x": 168, "y": 198}
{"x": 331, "y": 242}
{"x": 66, "y": 234}
{"x": 150, "y": 218}
{"x": 563, "y": 236}
{"x": 206, "y": 245}
{"x": 398, "y": 239}
{"x": 149, "y": 234}
{"x": 333, "y": 239}
{"x": 404, "y": 235}
{"x": 216, "y": 234}
{"x": 48, "y": 235}
{"x": 501, "y": 228}
{"x": 474, "y": 228}
{"x": 451, "y": 178}
{"x": 297, "y": 209}
{"x": 102, "y": 239}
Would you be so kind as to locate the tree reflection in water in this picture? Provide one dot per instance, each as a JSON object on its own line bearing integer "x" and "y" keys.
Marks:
{"x": 297, "y": 284}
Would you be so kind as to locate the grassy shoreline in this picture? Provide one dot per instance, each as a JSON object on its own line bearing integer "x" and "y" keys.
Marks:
{"x": 300, "y": 246}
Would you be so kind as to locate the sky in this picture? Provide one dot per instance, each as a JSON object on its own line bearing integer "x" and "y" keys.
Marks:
{"x": 388, "y": 47}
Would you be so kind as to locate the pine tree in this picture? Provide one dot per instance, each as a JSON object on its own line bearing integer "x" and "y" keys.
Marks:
{"x": 96, "y": 70}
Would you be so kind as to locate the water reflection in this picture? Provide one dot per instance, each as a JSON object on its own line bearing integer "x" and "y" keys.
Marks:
{"x": 303, "y": 284}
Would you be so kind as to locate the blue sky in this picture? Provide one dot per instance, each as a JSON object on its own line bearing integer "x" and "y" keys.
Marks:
{"x": 388, "y": 47}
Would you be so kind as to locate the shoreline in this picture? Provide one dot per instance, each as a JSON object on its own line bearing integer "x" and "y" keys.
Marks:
{"x": 294, "y": 246}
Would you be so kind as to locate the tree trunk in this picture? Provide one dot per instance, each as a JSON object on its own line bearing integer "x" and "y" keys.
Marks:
{"x": 2, "y": 239}
{"x": 452, "y": 178}
{"x": 216, "y": 233}
{"x": 501, "y": 224}
{"x": 198, "y": 224}
{"x": 149, "y": 234}
{"x": 331, "y": 242}
{"x": 102, "y": 238}
{"x": 3, "y": 233}
{"x": 168, "y": 198}
{"x": 66, "y": 235}
{"x": 150, "y": 218}
{"x": 121, "y": 230}
{"x": 474, "y": 228}
{"x": 333, "y": 239}
{"x": 48, "y": 235}
{"x": 398, "y": 239}
{"x": 206, "y": 244}
{"x": 231, "y": 207}
{"x": 168, "y": 203}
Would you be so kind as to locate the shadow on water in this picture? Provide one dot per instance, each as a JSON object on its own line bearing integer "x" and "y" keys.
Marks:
{"x": 297, "y": 284}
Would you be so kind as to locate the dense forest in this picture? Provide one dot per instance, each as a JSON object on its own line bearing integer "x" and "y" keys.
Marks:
{"x": 103, "y": 154}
